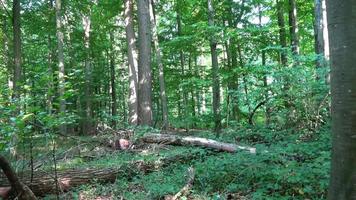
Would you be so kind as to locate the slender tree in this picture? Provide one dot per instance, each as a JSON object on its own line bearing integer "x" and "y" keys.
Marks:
{"x": 61, "y": 69}
{"x": 342, "y": 26}
{"x": 215, "y": 69}
{"x": 87, "y": 125}
{"x": 113, "y": 83}
{"x": 132, "y": 62}
{"x": 16, "y": 9}
{"x": 144, "y": 64}
{"x": 321, "y": 36}
{"x": 182, "y": 64}
{"x": 293, "y": 27}
{"x": 162, "y": 85}
{"x": 282, "y": 33}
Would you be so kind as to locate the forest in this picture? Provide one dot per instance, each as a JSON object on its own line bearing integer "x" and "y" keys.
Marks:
{"x": 177, "y": 99}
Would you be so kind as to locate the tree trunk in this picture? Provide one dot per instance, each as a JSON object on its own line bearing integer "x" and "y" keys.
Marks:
{"x": 233, "y": 85}
{"x": 215, "y": 71}
{"x": 7, "y": 56}
{"x": 265, "y": 77}
{"x": 182, "y": 63}
{"x": 195, "y": 141}
{"x": 144, "y": 64}
{"x": 61, "y": 69}
{"x": 282, "y": 33}
{"x": 242, "y": 64}
{"x": 321, "y": 36}
{"x": 132, "y": 63}
{"x": 162, "y": 86}
{"x": 21, "y": 191}
{"x": 293, "y": 27}
{"x": 113, "y": 84}
{"x": 87, "y": 125}
{"x": 16, "y": 9}
{"x": 342, "y": 26}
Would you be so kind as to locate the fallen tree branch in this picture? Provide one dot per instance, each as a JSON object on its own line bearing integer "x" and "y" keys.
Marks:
{"x": 250, "y": 118}
{"x": 186, "y": 189}
{"x": 20, "y": 190}
{"x": 195, "y": 141}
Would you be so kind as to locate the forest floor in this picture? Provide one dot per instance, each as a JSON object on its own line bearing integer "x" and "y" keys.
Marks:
{"x": 287, "y": 165}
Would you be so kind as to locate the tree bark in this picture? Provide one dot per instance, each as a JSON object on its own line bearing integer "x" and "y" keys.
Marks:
{"x": 162, "y": 86}
{"x": 215, "y": 71}
{"x": 132, "y": 63}
{"x": 342, "y": 26}
{"x": 321, "y": 36}
{"x": 21, "y": 191}
{"x": 113, "y": 83}
{"x": 293, "y": 27}
{"x": 282, "y": 33}
{"x": 16, "y": 9}
{"x": 87, "y": 125}
{"x": 144, "y": 64}
{"x": 182, "y": 64}
{"x": 61, "y": 69}
{"x": 233, "y": 85}
{"x": 195, "y": 141}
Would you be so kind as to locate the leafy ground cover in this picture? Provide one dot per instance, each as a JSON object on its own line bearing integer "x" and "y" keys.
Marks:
{"x": 288, "y": 165}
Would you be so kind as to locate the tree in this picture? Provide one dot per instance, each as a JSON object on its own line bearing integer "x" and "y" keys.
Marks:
{"x": 132, "y": 62}
{"x": 215, "y": 69}
{"x": 342, "y": 26}
{"x": 162, "y": 85}
{"x": 113, "y": 82}
{"x": 293, "y": 27}
{"x": 282, "y": 33}
{"x": 16, "y": 9}
{"x": 61, "y": 69}
{"x": 321, "y": 35}
{"x": 87, "y": 125}
{"x": 144, "y": 64}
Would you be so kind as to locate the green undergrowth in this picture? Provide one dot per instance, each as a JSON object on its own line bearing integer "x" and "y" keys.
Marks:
{"x": 288, "y": 165}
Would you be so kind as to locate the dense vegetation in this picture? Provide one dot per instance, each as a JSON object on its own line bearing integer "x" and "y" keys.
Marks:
{"x": 77, "y": 73}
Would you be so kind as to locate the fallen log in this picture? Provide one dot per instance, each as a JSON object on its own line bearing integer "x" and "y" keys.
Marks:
{"x": 195, "y": 141}
{"x": 43, "y": 183}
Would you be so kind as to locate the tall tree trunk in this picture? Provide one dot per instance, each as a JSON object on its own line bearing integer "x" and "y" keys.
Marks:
{"x": 144, "y": 64}
{"x": 233, "y": 85}
{"x": 265, "y": 77}
{"x": 293, "y": 27}
{"x": 342, "y": 26}
{"x": 7, "y": 57}
{"x": 162, "y": 85}
{"x": 16, "y": 9}
{"x": 87, "y": 125}
{"x": 61, "y": 69}
{"x": 215, "y": 69}
{"x": 239, "y": 50}
{"x": 197, "y": 92}
{"x": 113, "y": 84}
{"x": 17, "y": 76}
{"x": 50, "y": 84}
{"x": 192, "y": 93}
{"x": 282, "y": 33}
{"x": 321, "y": 35}
{"x": 132, "y": 63}
{"x": 182, "y": 63}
